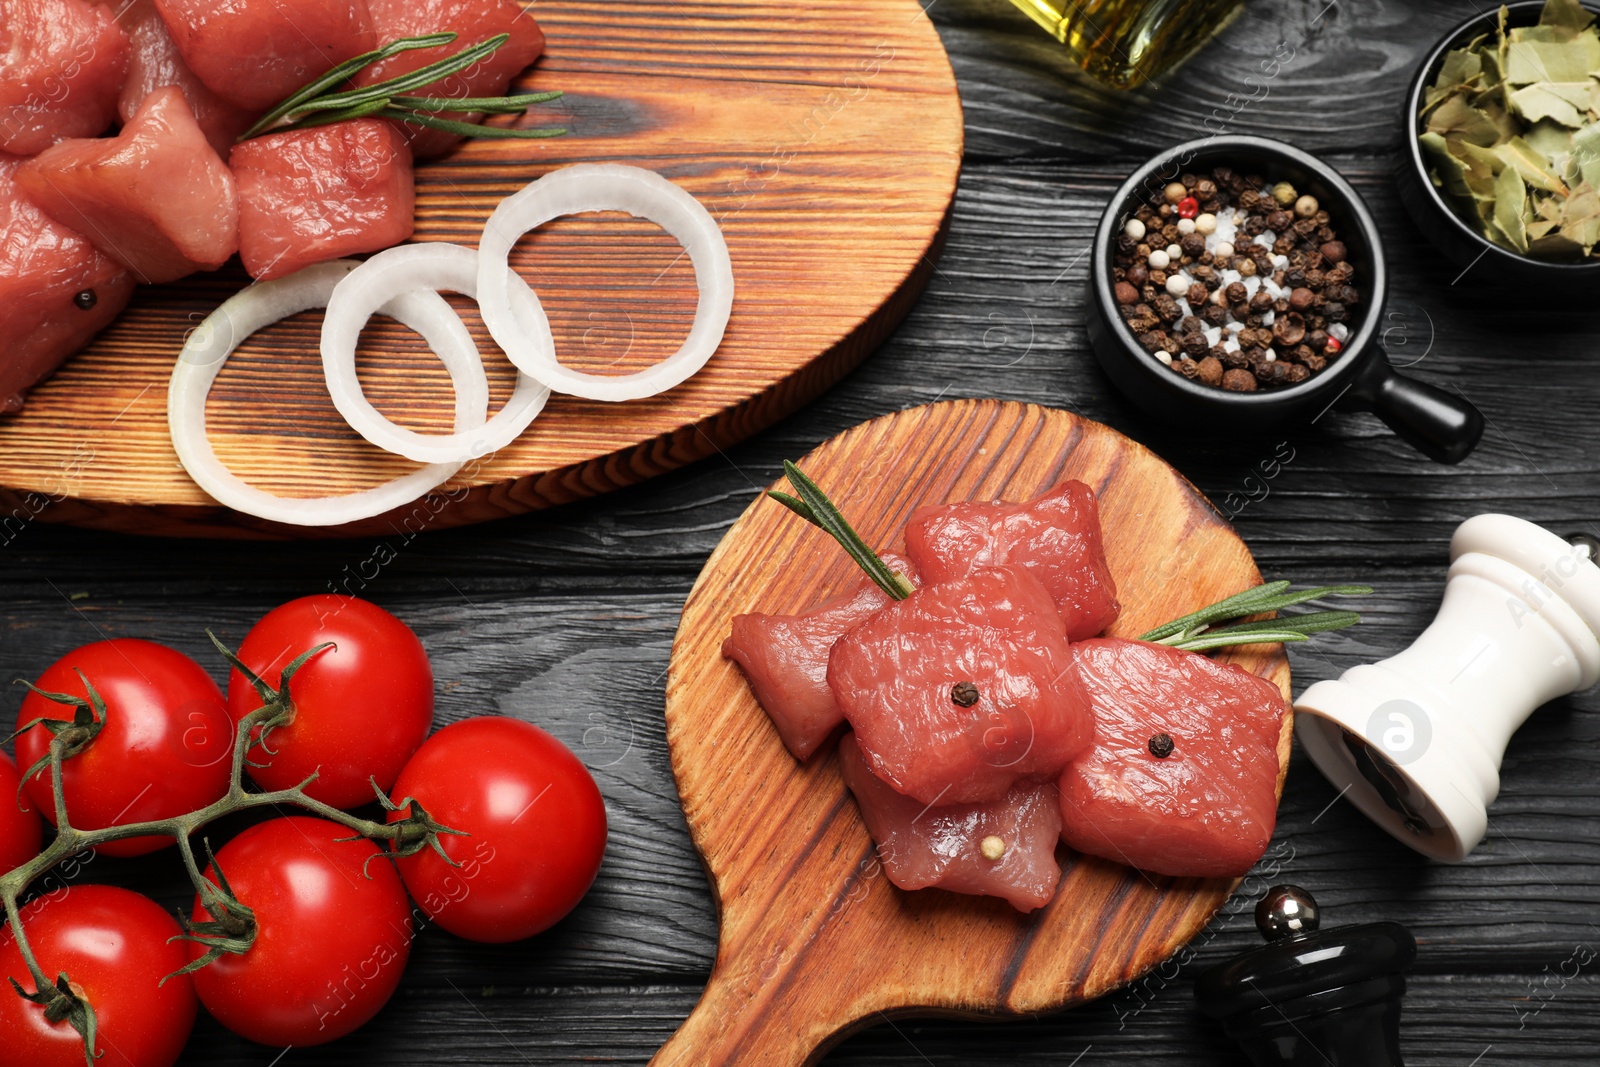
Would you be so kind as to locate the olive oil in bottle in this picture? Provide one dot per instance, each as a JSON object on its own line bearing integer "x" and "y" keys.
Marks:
{"x": 1125, "y": 42}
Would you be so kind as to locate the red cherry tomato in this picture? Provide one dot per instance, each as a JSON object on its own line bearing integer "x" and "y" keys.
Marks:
{"x": 536, "y": 820}
{"x": 360, "y": 709}
{"x": 20, "y": 828}
{"x": 331, "y": 942}
{"x": 112, "y": 945}
{"x": 165, "y": 749}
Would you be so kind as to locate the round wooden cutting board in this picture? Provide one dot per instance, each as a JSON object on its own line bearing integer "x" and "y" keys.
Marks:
{"x": 814, "y": 940}
{"x": 825, "y": 138}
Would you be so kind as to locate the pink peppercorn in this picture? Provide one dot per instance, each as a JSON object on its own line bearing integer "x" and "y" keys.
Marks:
{"x": 1188, "y": 207}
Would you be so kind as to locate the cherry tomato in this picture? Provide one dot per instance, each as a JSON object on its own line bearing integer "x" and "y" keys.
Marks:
{"x": 331, "y": 942}
{"x": 536, "y": 820}
{"x": 360, "y": 709}
{"x": 165, "y": 749}
{"x": 20, "y": 829}
{"x": 112, "y": 945}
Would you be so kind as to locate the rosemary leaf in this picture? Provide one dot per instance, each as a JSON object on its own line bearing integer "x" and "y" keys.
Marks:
{"x": 1272, "y": 596}
{"x": 328, "y": 118}
{"x": 496, "y": 104}
{"x": 799, "y": 507}
{"x": 1233, "y": 607}
{"x": 814, "y": 506}
{"x": 416, "y": 79}
{"x": 1221, "y": 640}
{"x": 1194, "y": 631}
{"x": 1312, "y": 622}
{"x": 342, "y": 73}
{"x": 471, "y": 129}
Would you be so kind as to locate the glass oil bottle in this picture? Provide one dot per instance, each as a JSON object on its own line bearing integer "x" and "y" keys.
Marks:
{"x": 1127, "y": 42}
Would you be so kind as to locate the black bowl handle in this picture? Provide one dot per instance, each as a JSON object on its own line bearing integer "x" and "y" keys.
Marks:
{"x": 1443, "y": 426}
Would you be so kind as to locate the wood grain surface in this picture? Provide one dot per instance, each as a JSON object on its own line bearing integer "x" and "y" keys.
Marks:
{"x": 566, "y": 616}
{"x": 814, "y": 939}
{"x": 775, "y": 118}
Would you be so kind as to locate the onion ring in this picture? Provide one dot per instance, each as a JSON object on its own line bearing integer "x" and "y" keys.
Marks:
{"x": 604, "y": 187}
{"x": 264, "y": 303}
{"x": 390, "y": 274}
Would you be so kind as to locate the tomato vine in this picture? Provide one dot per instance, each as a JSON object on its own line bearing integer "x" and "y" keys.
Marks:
{"x": 231, "y": 930}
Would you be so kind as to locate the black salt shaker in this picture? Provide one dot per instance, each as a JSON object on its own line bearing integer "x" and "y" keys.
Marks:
{"x": 1312, "y": 998}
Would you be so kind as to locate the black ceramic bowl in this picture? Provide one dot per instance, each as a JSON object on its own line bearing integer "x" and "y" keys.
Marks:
{"x": 1442, "y": 425}
{"x": 1438, "y": 216}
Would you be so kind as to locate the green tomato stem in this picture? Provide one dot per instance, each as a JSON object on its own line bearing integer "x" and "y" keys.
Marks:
{"x": 414, "y": 830}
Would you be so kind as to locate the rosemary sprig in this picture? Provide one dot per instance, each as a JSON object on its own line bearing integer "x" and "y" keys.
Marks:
{"x": 318, "y": 104}
{"x": 814, "y": 506}
{"x": 1194, "y": 631}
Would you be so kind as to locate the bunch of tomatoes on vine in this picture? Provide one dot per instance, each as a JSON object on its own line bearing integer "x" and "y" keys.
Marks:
{"x": 302, "y": 923}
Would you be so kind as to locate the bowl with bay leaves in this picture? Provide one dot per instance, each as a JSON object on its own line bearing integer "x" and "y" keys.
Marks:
{"x": 1501, "y": 168}
{"x": 1442, "y": 425}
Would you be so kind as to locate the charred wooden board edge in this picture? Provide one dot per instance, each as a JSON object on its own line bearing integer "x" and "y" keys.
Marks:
{"x": 1186, "y": 923}
{"x": 533, "y": 492}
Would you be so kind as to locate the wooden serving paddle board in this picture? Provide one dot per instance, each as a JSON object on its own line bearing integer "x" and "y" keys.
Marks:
{"x": 815, "y": 942}
{"x": 825, "y": 138}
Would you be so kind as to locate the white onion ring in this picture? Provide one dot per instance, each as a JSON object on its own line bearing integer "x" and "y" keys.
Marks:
{"x": 604, "y": 187}
{"x": 264, "y": 303}
{"x": 407, "y": 268}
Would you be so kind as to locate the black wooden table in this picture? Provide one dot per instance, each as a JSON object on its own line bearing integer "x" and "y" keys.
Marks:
{"x": 566, "y": 617}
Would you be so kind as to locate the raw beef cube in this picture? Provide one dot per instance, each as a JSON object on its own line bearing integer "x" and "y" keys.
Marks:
{"x": 474, "y": 21}
{"x": 962, "y": 688}
{"x": 785, "y": 659}
{"x": 1056, "y": 536}
{"x": 1206, "y": 809}
{"x": 256, "y": 53}
{"x": 306, "y": 196}
{"x": 56, "y": 290}
{"x": 156, "y": 197}
{"x": 923, "y": 846}
{"x": 155, "y": 62}
{"x": 61, "y": 67}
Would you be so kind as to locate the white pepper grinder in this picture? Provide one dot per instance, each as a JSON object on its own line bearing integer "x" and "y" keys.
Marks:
{"x": 1416, "y": 741}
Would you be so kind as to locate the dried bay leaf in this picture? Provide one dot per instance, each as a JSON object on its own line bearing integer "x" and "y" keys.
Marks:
{"x": 1552, "y": 140}
{"x": 1555, "y": 246}
{"x": 1461, "y": 71}
{"x": 1520, "y": 156}
{"x": 1528, "y": 62}
{"x": 1457, "y": 118}
{"x": 1580, "y": 217}
{"x": 1543, "y": 100}
{"x": 1449, "y": 173}
{"x": 1511, "y": 208}
{"x": 1569, "y": 15}
{"x": 1586, "y": 153}
{"x": 1479, "y": 166}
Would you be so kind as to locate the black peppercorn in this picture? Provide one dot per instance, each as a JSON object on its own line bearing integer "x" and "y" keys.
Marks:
{"x": 964, "y": 694}
{"x": 86, "y": 300}
{"x": 1161, "y": 746}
